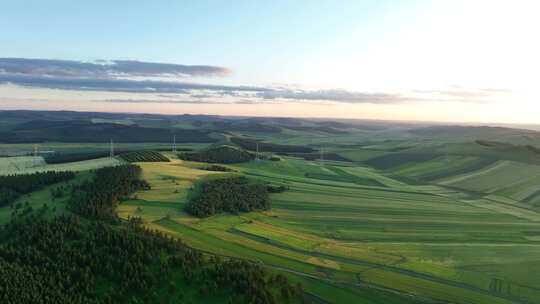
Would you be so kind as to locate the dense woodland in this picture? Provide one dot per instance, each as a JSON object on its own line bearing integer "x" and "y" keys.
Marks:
{"x": 217, "y": 168}
{"x": 143, "y": 156}
{"x": 251, "y": 144}
{"x": 231, "y": 194}
{"x": 13, "y": 186}
{"x": 60, "y": 158}
{"x": 222, "y": 154}
{"x": 71, "y": 259}
{"x": 68, "y": 260}
{"x": 98, "y": 197}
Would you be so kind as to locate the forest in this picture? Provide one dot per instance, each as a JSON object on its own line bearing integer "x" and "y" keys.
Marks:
{"x": 222, "y": 154}
{"x": 61, "y": 158}
{"x": 231, "y": 194}
{"x": 69, "y": 260}
{"x": 86, "y": 258}
{"x": 143, "y": 156}
{"x": 13, "y": 186}
{"x": 98, "y": 197}
{"x": 217, "y": 168}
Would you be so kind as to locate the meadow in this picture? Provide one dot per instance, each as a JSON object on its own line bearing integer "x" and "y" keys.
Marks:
{"x": 359, "y": 238}
{"x": 442, "y": 218}
{"x": 31, "y": 164}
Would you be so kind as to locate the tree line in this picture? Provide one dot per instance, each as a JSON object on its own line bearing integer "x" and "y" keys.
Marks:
{"x": 14, "y": 186}
{"x": 232, "y": 194}
{"x": 143, "y": 156}
{"x": 217, "y": 168}
{"x": 61, "y": 157}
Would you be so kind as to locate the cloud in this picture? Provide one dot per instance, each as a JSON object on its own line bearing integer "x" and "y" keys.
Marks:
{"x": 161, "y": 101}
{"x": 333, "y": 95}
{"x": 463, "y": 94}
{"x": 183, "y": 101}
{"x": 195, "y": 90}
{"x": 105, "y": 69}
{"x": 157, "y": 80}
{"x": 116, "y": 85}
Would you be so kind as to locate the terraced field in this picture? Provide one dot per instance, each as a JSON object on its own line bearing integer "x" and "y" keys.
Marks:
{"x": 514, "y": 182}
{"x": 517, "y": 181}
{"x": 349, "y": 240}
{"x": 442, "y": 167}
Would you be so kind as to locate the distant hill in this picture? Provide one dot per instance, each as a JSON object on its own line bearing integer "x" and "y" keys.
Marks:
{"x": 13, "y": 123}
{"x": 86, "y": 131}
{"x": 468, "y": 133}
{"x": 251, "y": 144}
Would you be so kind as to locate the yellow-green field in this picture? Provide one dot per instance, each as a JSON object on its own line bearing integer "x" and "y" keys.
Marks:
{"x": 355, "y": 241}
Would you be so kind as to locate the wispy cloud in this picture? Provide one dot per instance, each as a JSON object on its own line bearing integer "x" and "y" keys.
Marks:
{"x": 105, "y": 69}
{"x": 160, "y": 101}
{"x": 183, "y": 101}
{"x": 465, "y": 94}
{"x": 116, "y": 85}
{"x": 165, "y": 80}
{"x": 333, "y": 95}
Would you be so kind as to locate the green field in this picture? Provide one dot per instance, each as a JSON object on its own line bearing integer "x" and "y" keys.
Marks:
{"x": 67, "y": 148}
{"x": 30, "y": 164}
{"x": 409, "y": 242}
{"x": 413, "y": 215}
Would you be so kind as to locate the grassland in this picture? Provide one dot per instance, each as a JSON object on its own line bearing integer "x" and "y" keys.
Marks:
{"x": 67, "y": 148}
{"x": 458, "y": 224}
{"x": 349, "y": 241}
{"x": 37, "y": 199}
{"x": 30, "y": 164}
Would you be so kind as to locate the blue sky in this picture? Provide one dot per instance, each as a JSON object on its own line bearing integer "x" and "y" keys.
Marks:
{"x": 250, "y": 37}
{"x": 427, "y": 60}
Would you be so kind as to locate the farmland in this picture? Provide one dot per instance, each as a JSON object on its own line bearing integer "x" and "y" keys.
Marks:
{"x": 418, "y": 240}
{"x": 403, "y": 219}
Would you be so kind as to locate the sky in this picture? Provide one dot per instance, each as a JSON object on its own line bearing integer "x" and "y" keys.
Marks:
{"x": 448, "y": 61}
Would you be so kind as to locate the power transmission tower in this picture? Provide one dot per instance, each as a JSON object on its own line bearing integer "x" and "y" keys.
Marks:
{"x": 174, "y": 144}
{"x": 111, "y": 151}
{"x": 257, "y": 153}
{"x": 36, "y": 153}
{"x": 322, "y": 154}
